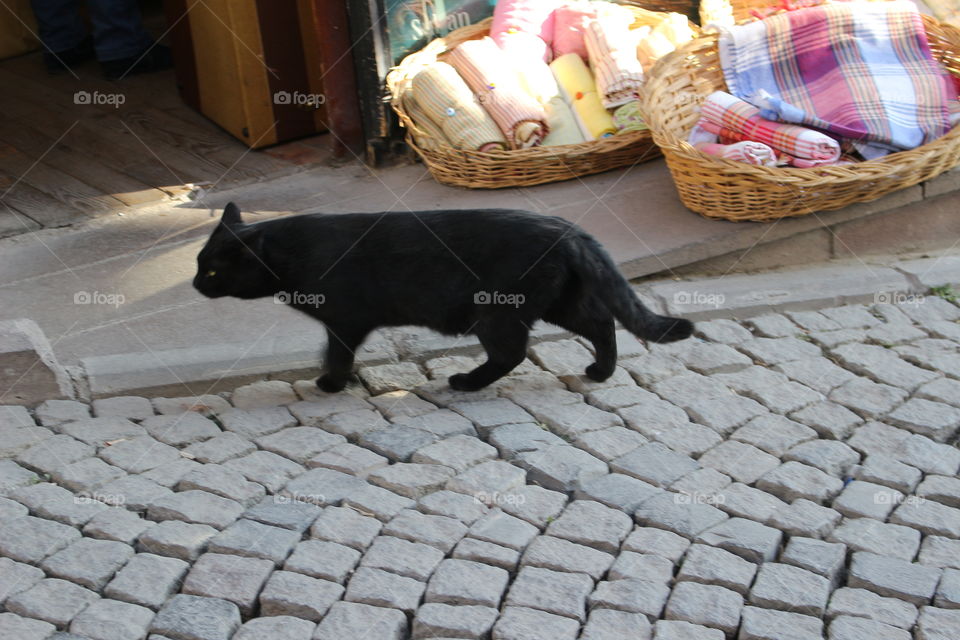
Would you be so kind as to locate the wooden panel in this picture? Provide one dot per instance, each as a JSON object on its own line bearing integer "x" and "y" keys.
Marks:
{"x": 17, "y": 28}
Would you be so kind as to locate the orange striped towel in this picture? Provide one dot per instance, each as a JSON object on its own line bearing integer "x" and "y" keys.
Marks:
{"x": 613, "y": 59}
{"x": 489, "y": 73}
{"x": 447, "y": 101}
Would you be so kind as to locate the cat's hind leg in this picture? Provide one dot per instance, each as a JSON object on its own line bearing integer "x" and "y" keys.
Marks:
{"x": 342, "y": 343}
{"x": 596, "y": 324}
{"x": 505, "y": 340}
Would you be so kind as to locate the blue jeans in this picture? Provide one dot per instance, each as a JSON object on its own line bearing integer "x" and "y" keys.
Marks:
{"x": 117, "y": 27}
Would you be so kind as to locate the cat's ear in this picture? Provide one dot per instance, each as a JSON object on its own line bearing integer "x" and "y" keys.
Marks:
{"x": 231, "y": 215}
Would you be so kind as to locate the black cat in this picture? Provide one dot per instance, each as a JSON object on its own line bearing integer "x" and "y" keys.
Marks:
{"x": 489, "y": 272}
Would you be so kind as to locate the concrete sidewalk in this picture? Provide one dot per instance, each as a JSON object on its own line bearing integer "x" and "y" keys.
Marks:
{"x": 121, "y": 284}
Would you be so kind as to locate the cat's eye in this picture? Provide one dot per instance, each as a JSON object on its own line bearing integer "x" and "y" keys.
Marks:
{"x": 211, "y": 273}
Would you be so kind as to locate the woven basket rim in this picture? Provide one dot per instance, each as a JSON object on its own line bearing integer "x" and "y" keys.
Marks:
{"x": 404, "y": 71}
{"x": 674, "y": 65}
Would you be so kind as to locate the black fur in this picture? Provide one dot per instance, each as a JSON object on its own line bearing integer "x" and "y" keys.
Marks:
{"x": 489, "y": 272}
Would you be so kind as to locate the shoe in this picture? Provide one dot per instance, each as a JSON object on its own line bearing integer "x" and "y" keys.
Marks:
{"x": 61, "y": 62}
{"x": 156, "y": 58}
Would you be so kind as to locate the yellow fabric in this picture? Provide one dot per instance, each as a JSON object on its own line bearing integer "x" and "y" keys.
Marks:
{"x": 580, "y": 92}
{"x": 653, "y": 47}
{"x": 447, "y": 100}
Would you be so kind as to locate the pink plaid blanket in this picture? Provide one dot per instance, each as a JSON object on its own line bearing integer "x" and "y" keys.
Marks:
{"x": 734, "y": 120}
{"x": 862, "y": 71}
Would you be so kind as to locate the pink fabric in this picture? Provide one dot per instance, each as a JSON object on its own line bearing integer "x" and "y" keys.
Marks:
{"x": 534, "y": 17}
{"x": 570, "y": 23}
{"x": 747, "y": 151}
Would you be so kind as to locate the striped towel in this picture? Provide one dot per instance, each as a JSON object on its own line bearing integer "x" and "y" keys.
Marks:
{"x": 489, "y": 73}
{"x": 613, "y": 59}
{"x": 537, "y": 80}
{"x": 747, "y": 151}
{"x": 580, "y": 91}
{"x": 734, "y": 120}
{"x": 862, "y": 71}
{"x": 447, "y": 101}
{"x": 433, "y": 136}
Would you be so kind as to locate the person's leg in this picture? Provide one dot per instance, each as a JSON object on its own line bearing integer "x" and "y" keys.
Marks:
{"x": 62, "y": 32}
{"x": 118, "y": 31}
{"x": 123, "y": 46}
{"x": 59, "y": 22}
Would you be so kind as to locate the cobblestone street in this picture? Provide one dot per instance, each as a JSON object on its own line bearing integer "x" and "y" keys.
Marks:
{"x": 789, "y": 477}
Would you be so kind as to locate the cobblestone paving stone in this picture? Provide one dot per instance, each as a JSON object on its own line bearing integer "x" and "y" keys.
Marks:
{"x": 788, "y": 477}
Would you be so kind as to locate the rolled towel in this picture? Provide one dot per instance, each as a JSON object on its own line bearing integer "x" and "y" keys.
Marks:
{"x": 613, "y": 58}
{"x": 531, "y": 17}
{"x": 564, "y": 128}
{"x": 427, "y": 134}
{"x": 446, "y": 99}
{"x": 537, "y": 80}
{"x": 580, "y": 92}
{"x": 755, "y": 153}
{"x": 628, "y": 118}
{"x": 571, "y": 20}
{"x": 737, "y": 120}
{"x": 489, "y": 73}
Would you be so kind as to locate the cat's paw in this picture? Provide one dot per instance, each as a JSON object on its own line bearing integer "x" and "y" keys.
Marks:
{"x": 330, "y": 384}
{"x": 462, "y": 382}
{"x": 596, "y": 373}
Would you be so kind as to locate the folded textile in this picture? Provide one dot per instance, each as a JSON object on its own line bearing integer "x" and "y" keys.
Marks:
{"x": 570, "y": 23}
{"x": 532, "y": 17}
{"x": 434, "y": 137}
{"x": 537, "y": 80}
{"x": 489, "y": 73}
{"x": 613, "y": 58}
{"x": 564, "y": 127}
{"x": 629, "y": 118}
{"x": 860, "y": 70}
{"x": 735, "y": 120}
{"x": 448, "y": 102}
{"x": 652, "y": 46}
{"x": 580, "y": 91}
{"x": 755, "y": 153}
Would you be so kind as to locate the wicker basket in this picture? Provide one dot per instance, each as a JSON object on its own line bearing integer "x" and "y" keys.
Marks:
{"x": 521, "y": 167}
{"x": 719, "y": 188}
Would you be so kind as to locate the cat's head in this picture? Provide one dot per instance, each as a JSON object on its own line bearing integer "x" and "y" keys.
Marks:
{"x": 234, "y": 261}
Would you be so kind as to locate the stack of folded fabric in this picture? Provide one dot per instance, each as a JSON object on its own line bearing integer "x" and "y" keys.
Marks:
{"x": 487, "y": 71}
{"x": 861, "y": 71}
{"x": 734, "y": 121}
{"x": 508, "y": 78}
{"x": 449, "y": 105}
{"x": 612, "y": 52}
{"x": 580, "y": 91}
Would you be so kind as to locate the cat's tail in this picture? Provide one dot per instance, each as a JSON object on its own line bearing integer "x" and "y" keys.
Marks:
{"x": 626, "y": 307}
